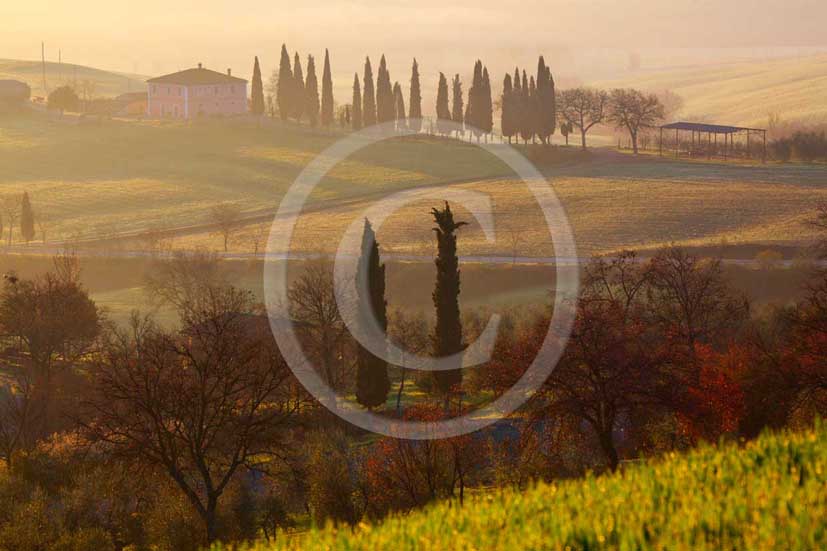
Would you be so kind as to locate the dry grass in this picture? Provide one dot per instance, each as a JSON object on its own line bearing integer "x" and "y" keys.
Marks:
{"x": 744, "y": 93}
{"x": 700, "y": 205}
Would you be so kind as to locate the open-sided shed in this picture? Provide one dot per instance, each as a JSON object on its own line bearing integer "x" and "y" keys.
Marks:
{"x": 705, "y": 140}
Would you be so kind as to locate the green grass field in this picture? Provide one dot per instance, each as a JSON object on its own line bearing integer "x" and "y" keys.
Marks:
{"x": 766, "y": 495}
{"x": 743, "y": 93}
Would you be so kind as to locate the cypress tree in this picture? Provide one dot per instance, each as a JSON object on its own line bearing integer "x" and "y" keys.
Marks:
{"x": 311, "y": 93}
{"x": 532, "y": 109}
{"x": 517, "y": 103}
{"x": 257, "y": 91}
{"x": 327, "y": 92}
{"x": 546, "y": 104}
{"x": 486, "y": 105}
{"x": 456, "y": 107}
{"x": 526, "y": 114}
{"x": 368, "y": 97}
{"x": 298, "y": 100}
{"x": 284, "y": 89}
{"x": 356, "y": 117}
{"x": 415, "y": 103}
{"x": 372, "y": 381}
{"x": 507, "y": 121}
{"x": 448, "y": 331}
{"x": 399, "y": 100}
{"x": 443, "y": 112}
{"x": 474, "y": 114}
{"x": 385, "y": 104}
{"x": 26, "y": 219}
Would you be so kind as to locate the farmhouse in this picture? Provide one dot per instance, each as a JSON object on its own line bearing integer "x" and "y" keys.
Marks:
{"x": 196, "y": 92}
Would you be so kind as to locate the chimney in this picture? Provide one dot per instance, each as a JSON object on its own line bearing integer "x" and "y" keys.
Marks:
{"x": 199, "y": 65}
{"x": 229, "y": 72}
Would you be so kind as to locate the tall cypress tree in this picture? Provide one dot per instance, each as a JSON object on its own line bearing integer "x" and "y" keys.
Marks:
{"x": 284, "y": 89}
{"x": 327, "y": 92}
{"x": 456, "y": 103}
{"x": 368, "y": 97}
{"x": 299, "y": 101}
{"x": 356, "y": 116}
{"x": 507, "y": 121}
{"x": 26, "y": 218}
{"x": 486, "y": 105}
{"x": 545, "y": 102}
{"x": 385, "y": 104}
{"x": 532, "y": 109}
{"x": 372, "y": 381}
{"x": 311, "y": 93}
{"x": 415, "y": 103}
{"x": 474, "y": 114}
{"x": 526, "y": 115}
{"x": 257, "y": 91}
{"x": 399, "y": 100}
{"x": 443, "y": 112}
{"x": 448, "y": 330}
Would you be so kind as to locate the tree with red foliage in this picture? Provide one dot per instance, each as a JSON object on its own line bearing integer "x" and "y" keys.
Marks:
{"x": 716, "y": 401}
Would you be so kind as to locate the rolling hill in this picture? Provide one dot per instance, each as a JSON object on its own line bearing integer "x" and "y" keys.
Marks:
{"x": 107, "y": 83}
{"x": 743, "y": 93}
{"x": 765, "y": 495}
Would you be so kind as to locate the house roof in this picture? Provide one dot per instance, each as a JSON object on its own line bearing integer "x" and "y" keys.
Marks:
{"x": 197, "y": 76}
{"x": 711, "y": 128}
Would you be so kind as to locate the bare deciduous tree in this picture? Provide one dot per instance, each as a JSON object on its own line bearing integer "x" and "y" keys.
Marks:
{"x": 313, "y": 305}
{"x": 583, "y": 108}
{"x": 181, "y": 279}
{"x": 11, "y": 213}
{"x": 411, "y": 334}
{"x": 226, "y": 217}
{"x": 202, "y": 404}
{"x": 633, "y": 111}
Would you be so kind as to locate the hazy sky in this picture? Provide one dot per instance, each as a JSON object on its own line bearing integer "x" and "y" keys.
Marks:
{"x": 577, "y": 36}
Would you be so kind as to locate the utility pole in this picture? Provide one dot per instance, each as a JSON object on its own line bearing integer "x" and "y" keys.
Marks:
{"x": 43, "y": 65}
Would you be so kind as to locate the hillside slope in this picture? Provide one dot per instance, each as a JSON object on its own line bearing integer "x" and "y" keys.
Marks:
{"x": 107, "y": 83}
{"x": 766, "y": 495}
{"x": 743, "y": 93}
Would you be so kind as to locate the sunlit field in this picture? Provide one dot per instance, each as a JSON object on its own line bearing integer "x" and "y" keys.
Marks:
{"x": 743, "y": 93}
{"x": 640, "y": 205}
{"x": 167, "y": 175}
{"x": 766, "y": 495}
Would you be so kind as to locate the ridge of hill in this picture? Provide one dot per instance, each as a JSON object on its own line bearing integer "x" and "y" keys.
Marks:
{"x": 763, "y": 495}
{"x": 107, "y": 83}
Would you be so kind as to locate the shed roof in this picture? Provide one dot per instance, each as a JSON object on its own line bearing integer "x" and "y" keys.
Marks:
{"x": 197, "y": 76}
{"x": 711, "y": 128}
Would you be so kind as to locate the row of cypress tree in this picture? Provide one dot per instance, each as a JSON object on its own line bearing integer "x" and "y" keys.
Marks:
{"x": 385, "y": 103}
{"x": 529, "y": 107}
{"x": 478, "y": 115}
{"x": 297, "y": 97}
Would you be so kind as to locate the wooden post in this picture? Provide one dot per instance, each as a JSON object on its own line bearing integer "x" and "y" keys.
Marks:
{"x": 764, "y": 155}
{"x": 676, "y": 142}
{"x": 749, "y": 153}
{"x": 660, "y": 144}
{"x": 709, "y": 145}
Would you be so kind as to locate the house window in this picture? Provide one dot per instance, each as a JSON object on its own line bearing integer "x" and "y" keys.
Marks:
{"x": 216, "y": 90}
